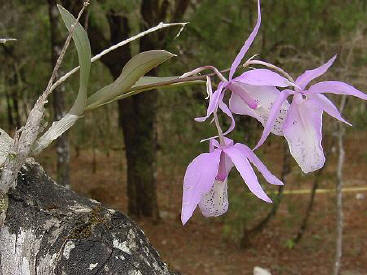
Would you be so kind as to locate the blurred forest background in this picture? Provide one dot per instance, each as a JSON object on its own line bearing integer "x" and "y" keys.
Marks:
{"x": 132, "y": 155}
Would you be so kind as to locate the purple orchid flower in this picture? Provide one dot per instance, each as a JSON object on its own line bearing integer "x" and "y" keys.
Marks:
{"x": 303, "y": 124}
{"x": 253, "y": 92}
{"x": 205, "y": 181}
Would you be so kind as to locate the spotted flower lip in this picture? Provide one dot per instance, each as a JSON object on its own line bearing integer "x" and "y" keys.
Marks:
{"x": 303, "y": 123}
{"x": 245, "y": 99}
{"x": 208, "y": 170}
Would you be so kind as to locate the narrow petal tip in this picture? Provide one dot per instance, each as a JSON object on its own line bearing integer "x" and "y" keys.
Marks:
{"x": 268, "y": 200}
{"x": 184, "y": 219}
{"x": 277, "y": 182}
{"x": 200, "y": 119}
{"x": 257, "y": 145}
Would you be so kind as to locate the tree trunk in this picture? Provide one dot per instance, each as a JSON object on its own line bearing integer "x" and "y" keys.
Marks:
{"x": 136, "y": 118}
{"x": 137, "y": 121}
{"x": 52, "y": 230}
{"x": 62, "y": 143}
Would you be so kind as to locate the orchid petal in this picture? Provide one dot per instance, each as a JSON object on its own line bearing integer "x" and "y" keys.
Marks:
{"x": 302, "y": 130}
{"x": 329, "y": 107}
{"x": 199, "y": 179}
{"x": 276, "y": 112}
{"x": 209, "y": 89}
{"x": 213, "y": 102}
{"x": 228, "y": 112}
{"x": 336, "y": 87}
{"x": 215, "y": 202}
{"x": 263, "y": 77}
{"x": 213, "y": 143}
{"x": 265, "y": 96}
{"x": 258, "y": 164}
{"x": 247, "y": 173}
{"x": 247, "y": 44}
{"x": 309, "y": 75}
{"x": 241, "y": 90}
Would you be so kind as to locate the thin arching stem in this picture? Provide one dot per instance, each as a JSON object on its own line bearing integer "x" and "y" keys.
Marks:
{"x": 203, "y": 68}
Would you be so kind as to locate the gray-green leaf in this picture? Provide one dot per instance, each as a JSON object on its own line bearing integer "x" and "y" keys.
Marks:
{"x": 137, "y": 67}
{"x": 82, "y": 45}
{"x": 57, "y": 129}
{"x": 146, "y": 83}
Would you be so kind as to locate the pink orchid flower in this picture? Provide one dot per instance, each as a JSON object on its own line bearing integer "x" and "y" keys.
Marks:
{"x": 205, "y": 181}
{"x": 303, "y": 124}
{"x": 253, "y": 92}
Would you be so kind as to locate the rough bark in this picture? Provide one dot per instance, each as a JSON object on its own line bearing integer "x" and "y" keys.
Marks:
{"x": 52, "y": 230}
{"x": 62, "y": 143}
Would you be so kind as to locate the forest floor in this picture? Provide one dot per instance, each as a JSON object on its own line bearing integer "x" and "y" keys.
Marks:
{"x": 208, "y": 246}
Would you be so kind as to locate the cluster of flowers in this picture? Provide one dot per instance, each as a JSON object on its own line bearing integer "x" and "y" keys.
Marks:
{"x": 256, "y": 93}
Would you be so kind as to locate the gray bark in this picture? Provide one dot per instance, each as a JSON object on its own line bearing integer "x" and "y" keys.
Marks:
{"x": 52, "y": 230}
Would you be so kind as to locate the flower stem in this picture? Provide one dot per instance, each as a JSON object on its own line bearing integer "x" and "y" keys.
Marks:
{"x": 220, "y": 131}
{"x": 203, "y": 68}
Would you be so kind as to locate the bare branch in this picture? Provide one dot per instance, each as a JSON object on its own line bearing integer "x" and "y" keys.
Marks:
{"x": 4, "y": 40}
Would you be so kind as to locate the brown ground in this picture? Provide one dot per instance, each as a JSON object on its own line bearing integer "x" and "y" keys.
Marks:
{"x": 201, "y": 248}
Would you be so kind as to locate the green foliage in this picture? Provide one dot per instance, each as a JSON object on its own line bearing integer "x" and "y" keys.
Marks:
{"x": 137, "y": 67}
{"x": 290, "y": 243}
{"x": 146, "y": 83}
{"x": 81, "y": 41}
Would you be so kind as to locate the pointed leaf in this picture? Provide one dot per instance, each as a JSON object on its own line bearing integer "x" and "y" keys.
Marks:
{"x": 147, "y": 83}
{"x": 57, "y": 129}
{"x": 137, "y": 67}
{"x": 82, "y": 45}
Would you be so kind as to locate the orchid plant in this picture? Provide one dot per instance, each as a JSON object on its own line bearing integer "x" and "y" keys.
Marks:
{"x": 261, "y": 94}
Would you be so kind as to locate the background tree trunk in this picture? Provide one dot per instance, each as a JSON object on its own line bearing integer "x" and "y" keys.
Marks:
{"x": 52, "y": 230}
{"x": 58, "y": 100}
